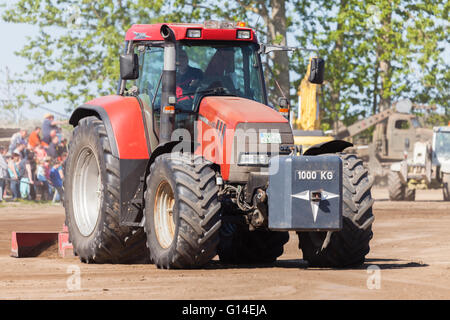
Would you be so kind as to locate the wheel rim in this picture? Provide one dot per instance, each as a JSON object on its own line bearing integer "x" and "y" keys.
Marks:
{"x": 163, "y": 215}
{"x": 87, "y": 191}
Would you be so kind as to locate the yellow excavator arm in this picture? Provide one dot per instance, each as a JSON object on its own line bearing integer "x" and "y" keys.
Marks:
{"x": 307, "y": 124}
{"x": 308, "y": 118}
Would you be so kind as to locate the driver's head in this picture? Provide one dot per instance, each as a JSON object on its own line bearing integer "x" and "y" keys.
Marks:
{"x": 182, "y": 60}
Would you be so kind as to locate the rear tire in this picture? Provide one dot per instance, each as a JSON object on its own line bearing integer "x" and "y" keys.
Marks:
{"x": 349, "y": 246}
{"x": 182, "y": 211}
{"x": 238, "y": 245}
{"x": 446, "y": 186}
{"x": 92, "y": 200}
{"x": 396, "y": 188}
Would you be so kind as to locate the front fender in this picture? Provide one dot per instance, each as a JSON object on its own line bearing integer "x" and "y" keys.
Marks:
{"x": 328, "y": 147}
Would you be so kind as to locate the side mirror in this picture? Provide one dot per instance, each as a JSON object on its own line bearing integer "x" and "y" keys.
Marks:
{"x": 283, "y": 102}
{"x": 317, "y": 70}
{"x": 129, "y": 66}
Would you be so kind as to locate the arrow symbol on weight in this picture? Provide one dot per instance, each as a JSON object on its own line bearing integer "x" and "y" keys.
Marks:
{"x": 306, "y": 195}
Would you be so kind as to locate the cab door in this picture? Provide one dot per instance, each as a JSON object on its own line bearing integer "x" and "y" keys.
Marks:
{"x": 402, "y": 133}
{"x": 151, "y": 63}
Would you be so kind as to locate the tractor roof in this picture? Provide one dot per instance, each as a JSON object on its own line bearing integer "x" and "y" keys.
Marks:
{"x": 152, "y": 32}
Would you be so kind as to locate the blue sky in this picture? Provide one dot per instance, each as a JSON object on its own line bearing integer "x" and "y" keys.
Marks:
{"x": 14, "y": 37}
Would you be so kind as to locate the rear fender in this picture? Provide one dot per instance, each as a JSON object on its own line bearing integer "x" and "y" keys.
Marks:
{"x": 125, "y": 126}
{"x": 123, "y": 118}
{"x": 87, "y": 110}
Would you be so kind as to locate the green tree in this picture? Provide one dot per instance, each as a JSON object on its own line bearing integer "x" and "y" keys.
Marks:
{"x": 271, "y": 20}
{"x": 335, "y": 29}
{"x": 78, "y": 43}
{"x": 377, "y": 52}
{"x": 79, "y": 40}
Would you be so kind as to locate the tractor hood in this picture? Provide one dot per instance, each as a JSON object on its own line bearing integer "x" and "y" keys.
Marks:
{"x": 234, "y": 110}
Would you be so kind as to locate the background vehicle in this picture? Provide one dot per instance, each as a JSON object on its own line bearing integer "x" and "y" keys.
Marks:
{"x": 428, "y": 168}
{"x": 388, "y": 142}
{"x": 179, "y": 175}
{"x": 393, "y": 127}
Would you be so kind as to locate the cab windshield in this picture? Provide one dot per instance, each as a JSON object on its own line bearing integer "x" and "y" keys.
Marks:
{"x": 416, "y": 124}
{"x": 203, "y": 68}
{"x": 442, "y": 144}
{"x": 211, "y": 68}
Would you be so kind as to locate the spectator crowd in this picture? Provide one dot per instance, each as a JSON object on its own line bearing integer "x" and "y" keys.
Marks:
{"x": 32, "y": 167}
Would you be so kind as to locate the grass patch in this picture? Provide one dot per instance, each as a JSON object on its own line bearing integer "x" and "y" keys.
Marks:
{"x": 32, "y": 202}
{"x": 19, "y": 202}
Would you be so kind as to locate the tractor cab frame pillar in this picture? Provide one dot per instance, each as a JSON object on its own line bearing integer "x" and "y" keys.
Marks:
{"x": 168, "y": 89}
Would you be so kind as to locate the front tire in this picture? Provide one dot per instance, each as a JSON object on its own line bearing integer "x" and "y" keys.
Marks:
{"x": 182, "y": 210}
{"x": 410, "y": 194}
{"x": 446, "y": 186}
{"x": 349, "y": 246}
{"x": 396, "y": 189}
{"x": 91, "y": 200}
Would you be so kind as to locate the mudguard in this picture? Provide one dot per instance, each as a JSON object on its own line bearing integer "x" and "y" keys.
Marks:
{"x": 123, "y": 118}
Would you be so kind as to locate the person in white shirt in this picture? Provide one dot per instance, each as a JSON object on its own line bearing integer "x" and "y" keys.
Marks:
{"x": 3, "y": 172}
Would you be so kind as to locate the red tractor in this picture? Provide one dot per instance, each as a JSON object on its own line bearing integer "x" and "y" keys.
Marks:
{"x": 188, "y": 161}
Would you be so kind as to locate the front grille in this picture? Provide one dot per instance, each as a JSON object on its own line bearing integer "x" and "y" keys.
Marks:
{"x": 247, "y": 140}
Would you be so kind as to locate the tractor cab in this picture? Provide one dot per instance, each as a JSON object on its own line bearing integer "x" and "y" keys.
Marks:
{"x": 207, "y": 62}
{"x": 441, "y": 147}
{"x": 203, "y": 68}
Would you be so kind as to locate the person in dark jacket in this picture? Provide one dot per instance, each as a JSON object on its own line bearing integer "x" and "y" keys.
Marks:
{"x": 48, "y": 125}
{"x": 56, "y": 178}
{"x": 52, "y": 149}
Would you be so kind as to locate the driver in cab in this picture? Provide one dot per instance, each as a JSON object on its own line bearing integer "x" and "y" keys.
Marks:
{"x": 187, "y": 76}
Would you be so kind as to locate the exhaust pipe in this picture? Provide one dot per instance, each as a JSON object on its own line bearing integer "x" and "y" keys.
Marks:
{"x": 167, "y": 33}
{"x": 168, "y": 88}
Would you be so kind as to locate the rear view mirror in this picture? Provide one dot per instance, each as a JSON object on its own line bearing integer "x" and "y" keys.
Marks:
{"x": 317, "y": 70}
{"x": 129, "y": 66}
{"x": 283, "y": 102}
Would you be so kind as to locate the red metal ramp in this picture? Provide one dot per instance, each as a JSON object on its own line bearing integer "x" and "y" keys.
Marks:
{"x": 33, "y": 244}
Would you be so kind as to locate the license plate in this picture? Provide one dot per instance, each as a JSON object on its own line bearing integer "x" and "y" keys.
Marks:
{"x": 269, "y": 137}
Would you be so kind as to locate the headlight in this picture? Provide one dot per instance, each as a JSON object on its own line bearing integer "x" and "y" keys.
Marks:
{"x": 194, "y": 33}
{"x": 253, "y": 159}
{"x": 243, "y": 34}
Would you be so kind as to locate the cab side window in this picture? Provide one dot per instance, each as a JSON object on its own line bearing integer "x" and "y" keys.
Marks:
{"x": 151, "y": 63}
{"x": 402, "y": 124}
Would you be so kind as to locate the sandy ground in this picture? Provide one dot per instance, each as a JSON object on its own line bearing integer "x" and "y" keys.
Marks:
{"x": 409, "y": 259}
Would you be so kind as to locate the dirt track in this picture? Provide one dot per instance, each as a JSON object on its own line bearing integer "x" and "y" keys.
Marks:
{"x": 411, "y": 246}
